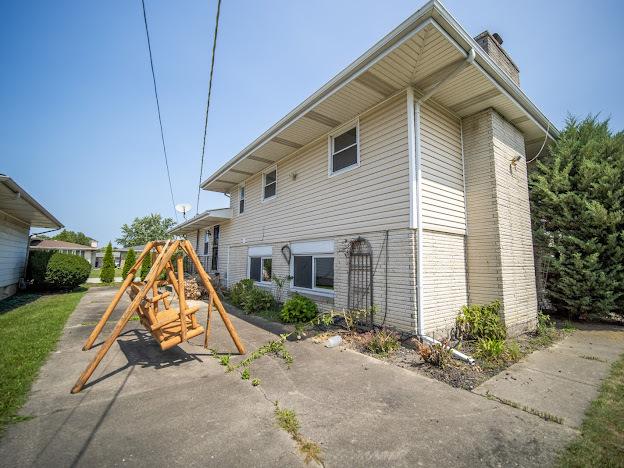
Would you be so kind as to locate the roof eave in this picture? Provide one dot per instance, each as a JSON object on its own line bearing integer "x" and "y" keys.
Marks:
{"x": 31, "y": 201}
{"x": 433, "y": 12}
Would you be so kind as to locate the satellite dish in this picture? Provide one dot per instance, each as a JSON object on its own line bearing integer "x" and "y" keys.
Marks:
{"x": 183, "y": 208}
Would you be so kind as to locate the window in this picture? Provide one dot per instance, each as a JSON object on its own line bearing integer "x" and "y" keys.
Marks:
{"x": 206, "y": 242}
{"x": 260, "y": 269}
{"x": 344, "y": 151}
{"x": 269, "y": 184}
{"x": 215, "y": 247}
{"x": 313, "y": 272}
{"x": 241, "y": 199}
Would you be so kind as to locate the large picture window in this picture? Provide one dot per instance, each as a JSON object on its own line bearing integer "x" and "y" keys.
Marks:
{"x": 261, "y": 269}
{"x": 344, "y": 151}
{"x": 313, "y": 272}
{"x": 269, "y": 180}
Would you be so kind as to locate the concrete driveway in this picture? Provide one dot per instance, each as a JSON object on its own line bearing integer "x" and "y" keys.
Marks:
{"x": 151, "y": 408}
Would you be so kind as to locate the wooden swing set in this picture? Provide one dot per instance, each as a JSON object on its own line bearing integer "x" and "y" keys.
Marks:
{"x": 169, "y": 326}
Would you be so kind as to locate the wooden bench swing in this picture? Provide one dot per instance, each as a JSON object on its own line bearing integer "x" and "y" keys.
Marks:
{"x": 169, "y": 326}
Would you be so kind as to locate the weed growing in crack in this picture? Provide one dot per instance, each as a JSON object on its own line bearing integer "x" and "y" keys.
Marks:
{"x": 245, "y": 374}
{"x": 287, "y": 420}
{"x": 514, "y": 404}
{"x": 255, "y": 382}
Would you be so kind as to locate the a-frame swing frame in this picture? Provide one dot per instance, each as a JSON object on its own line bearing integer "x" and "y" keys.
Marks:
{"x": 165, "y": 250}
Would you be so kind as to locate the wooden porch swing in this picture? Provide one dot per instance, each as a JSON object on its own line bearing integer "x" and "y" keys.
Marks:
{"x": 169, "y": 326}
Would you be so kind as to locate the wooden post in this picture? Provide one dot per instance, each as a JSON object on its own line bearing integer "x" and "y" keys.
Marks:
{"x": 207, "y": 333}
{"x": 109, "y": 310}
{"x": 181, "y": 297}
{"x": 163, "y": 257}
{"x": 186, "y": 245}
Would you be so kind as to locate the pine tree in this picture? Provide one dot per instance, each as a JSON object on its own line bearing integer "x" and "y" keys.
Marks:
{"x": 107, "y": 275}
{"x": 577, "y": 204}
{"x": 145, "y": 266}
{"x": 128, "y": 262}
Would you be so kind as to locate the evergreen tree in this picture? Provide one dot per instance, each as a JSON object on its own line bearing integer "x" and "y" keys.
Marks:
{"x": 128, "y": 262}
{"x": 107, "y": 275}
{"x": 145, "y": 266}
{"x": 577, "y": 205}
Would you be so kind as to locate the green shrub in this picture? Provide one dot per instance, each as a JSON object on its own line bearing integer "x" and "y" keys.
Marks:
{"x": 239, "y": 290}
{"x": 476, "y": 322}
{"x": 146, "y": 266}
{"x": 490, "y": 348}
{"x": 37, "y": 266}
{"x": 107, "y": 275}
{"x": 513, "y": 351}
{"x": 255, "y": 299}
{"x": 438, "y": 354}
{"x": 383, "y": 342}
{"x": 66, "y": 271}
{"x": 128, "y": 262}
{"x": 298, "y": 309}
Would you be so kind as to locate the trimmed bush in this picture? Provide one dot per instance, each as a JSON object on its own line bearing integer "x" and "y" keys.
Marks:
{"x": 256, "y": 300}
{"x": 298, "y": 309}
{"x": 476, "y": 322}
{"x": 107, "y": 275}
{"x": 128, "y": 262}
{"x": 37, "y": 266}
{"x": 146, "y": 266}
{"x": 239, "y": 290}
{"x": 57, "y": 271}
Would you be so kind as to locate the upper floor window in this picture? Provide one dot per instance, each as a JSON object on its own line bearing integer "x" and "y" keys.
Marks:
{"x": 269, "y": 184}
{"x": 241, "y": 199}
{"x": 344, "y": 151}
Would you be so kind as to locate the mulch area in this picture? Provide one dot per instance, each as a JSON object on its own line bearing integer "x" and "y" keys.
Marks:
{"x": 457, "y": 373}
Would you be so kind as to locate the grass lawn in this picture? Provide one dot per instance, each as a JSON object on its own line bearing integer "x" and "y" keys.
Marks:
{"x": 601, "y": 442}
{"x": 95, "y": 272}
{"x": 30, "y": 326}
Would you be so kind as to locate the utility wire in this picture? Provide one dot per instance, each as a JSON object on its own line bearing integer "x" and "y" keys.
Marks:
{"x": 212, "y": 61}
{"x": 162, "y": 134}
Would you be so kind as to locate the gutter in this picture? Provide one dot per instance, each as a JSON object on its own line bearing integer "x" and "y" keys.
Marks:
{"x": 416, "y": 193}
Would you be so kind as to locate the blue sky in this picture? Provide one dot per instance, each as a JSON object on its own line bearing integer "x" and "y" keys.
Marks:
{"x": 78, "y": 125}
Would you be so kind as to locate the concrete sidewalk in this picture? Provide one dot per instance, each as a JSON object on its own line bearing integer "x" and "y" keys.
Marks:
{"x": 564, "y": 379}
{"x": 146, "y": 407}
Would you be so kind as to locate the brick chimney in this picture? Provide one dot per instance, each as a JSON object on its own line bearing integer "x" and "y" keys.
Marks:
{"x": 492, "y": 44}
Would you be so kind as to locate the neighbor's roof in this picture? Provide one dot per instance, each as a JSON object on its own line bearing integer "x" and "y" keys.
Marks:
{"x": 51, "y": 244}
{"x": 417, "y": 53}
{"x": 18, "y": 204}
{"x": 201, "y": 221}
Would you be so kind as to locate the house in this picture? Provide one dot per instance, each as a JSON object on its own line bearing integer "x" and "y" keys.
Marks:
{"x": 402, "y": 183}
{"x": 19, "y": 212}
{"x": 87, "y": 252}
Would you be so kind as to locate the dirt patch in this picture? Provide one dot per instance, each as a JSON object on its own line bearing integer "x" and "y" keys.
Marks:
{"x": 457, "y": 373}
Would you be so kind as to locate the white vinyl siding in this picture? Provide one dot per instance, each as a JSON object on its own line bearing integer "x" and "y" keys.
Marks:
{"x": 443, "y": 206}
{"x": 373, "y": 197}
{"x": 13, "y": 248}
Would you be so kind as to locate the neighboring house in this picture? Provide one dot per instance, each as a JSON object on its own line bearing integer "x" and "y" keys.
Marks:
{"x": 19, "y": 212}
{"x": 85, "y": 251}
{"x": 410, "y": 164}
{"x": 119, "y": 255}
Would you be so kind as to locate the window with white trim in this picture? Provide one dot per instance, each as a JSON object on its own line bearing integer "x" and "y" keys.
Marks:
{"x": 269, "y": 184}
{"x": 344, "y": 151}
{"x": 241, "y": 199}
{"x": 260, "y": 269}
{"x": 314, "y": 272}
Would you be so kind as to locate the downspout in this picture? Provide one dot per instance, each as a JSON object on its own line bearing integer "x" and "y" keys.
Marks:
{"x": 417, "y": 197}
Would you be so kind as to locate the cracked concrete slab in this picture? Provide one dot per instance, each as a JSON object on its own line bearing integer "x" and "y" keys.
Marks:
{"x": 146, "y": 407}
{"x": 561, "y": 380}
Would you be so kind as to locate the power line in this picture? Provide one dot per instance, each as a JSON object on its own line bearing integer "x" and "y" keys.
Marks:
{"x": 212, "y": 61}
{"x": 162, "y": 134}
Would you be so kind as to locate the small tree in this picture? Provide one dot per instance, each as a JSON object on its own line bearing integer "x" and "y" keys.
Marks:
{"x": 145, "y": 266}
{"x": 128, "y": 262}
{"x": 577, "y": 206}
{"x": 107, "y": 275}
